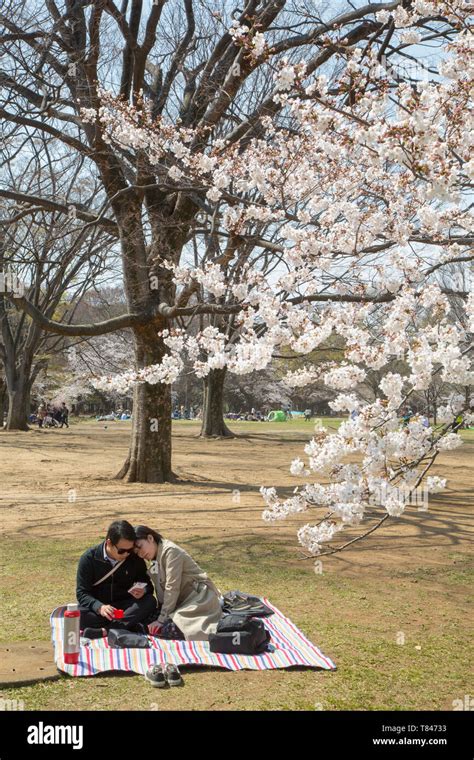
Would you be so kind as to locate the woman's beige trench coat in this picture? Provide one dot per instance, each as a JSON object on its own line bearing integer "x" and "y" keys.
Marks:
{"x": 188, "y": 596}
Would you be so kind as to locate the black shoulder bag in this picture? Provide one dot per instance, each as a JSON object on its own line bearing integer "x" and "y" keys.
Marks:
{"x": 239, "y": 634}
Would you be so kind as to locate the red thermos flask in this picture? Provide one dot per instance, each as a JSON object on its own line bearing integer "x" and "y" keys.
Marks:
{"x": 71, "y": 634}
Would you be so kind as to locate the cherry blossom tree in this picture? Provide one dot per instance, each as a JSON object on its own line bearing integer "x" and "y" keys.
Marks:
{"x": 309, "y": 147}
{"x": 373, "y": 199}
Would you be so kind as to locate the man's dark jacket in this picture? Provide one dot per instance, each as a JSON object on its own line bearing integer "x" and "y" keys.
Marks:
{"x": 114, "y": 589}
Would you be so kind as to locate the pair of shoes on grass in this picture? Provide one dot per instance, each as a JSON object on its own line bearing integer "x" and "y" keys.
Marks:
{"x": 160, "y": 675}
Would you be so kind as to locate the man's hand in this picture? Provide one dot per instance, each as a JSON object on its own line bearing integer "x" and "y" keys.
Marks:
{"x": 137, "y": 592}
{"x": 155, "y": 627}
{"x": 107, "y": 611}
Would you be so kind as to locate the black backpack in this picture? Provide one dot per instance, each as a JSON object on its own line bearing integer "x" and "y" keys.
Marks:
{"x": 239, "y": 634}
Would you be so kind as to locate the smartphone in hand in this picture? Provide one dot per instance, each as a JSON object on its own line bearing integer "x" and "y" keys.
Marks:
{"x": 137, "y": 585}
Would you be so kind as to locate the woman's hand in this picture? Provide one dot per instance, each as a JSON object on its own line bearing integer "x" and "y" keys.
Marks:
{"x": 155, "y": 627}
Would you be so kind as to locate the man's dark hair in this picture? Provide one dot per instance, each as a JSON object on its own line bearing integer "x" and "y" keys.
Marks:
{"x": 143, "y": 531}
{"x": 120, "y": 529}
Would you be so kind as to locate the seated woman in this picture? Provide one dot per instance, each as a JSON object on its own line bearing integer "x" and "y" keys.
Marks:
{"x": 187, "y": 596}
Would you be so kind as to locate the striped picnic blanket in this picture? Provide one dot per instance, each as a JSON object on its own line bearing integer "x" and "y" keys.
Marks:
{"x": 288, "y": 647}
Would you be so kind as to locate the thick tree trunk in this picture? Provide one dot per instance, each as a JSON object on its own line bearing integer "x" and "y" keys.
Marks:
{"x": 18, "y": 404}
{"x": 3, "y": 394}
{"x": 149, "y": 458}
{"x": 213, "y": 423}
{"x": 147, "y": 284}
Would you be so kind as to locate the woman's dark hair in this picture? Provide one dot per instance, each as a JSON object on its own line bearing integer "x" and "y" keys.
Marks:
{"x": 142, "y": 532}
{"x": 120, "y": 529}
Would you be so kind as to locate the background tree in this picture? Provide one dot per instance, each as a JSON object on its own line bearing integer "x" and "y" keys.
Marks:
{"x": 52, "y": 258}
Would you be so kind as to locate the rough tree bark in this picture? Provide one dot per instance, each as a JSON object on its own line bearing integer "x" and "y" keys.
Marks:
{"x": 19, "y": 389}
{"x": 16, "y": 416}
{"x": 213, "y": 423}
{"x": 149, "y": 457}
{"x": 3, "y": 393}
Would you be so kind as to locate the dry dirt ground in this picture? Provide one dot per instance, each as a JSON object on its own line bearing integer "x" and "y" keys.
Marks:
{"x": 394, "y": 612}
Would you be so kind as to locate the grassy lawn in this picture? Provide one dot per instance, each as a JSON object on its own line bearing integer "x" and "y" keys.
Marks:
{"x": 393, "y": 614}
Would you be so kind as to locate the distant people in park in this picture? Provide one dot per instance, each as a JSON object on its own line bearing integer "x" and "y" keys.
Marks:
{"x": 189, "y": 602}
{"x": 57, "y": 416}
{"x": 183, "y": 413}
{"x": 307, "y": 414}
{"x": 256, "y": 415}
{"x": 41, "y": 415}
{"x": 407, "y": 414}
{"x": 49, "y": 420}
{"x": 50, "y": 416}
{"x": 106, "y": 576}
{"x": 64, "y": 415}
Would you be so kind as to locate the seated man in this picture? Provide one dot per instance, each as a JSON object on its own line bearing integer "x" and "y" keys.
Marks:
{"x": 105, "y": 575}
